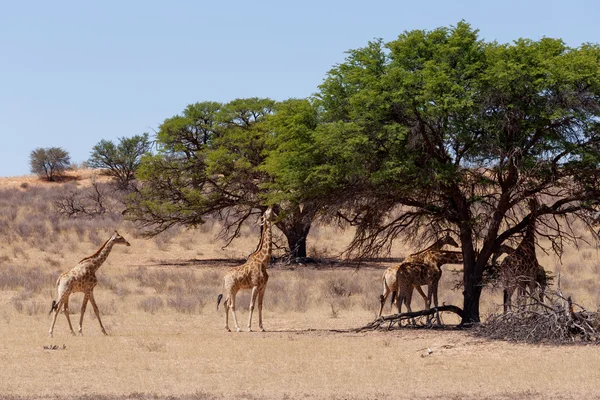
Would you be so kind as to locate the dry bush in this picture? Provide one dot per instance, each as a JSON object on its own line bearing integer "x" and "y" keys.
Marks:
{"x": 114, "y": 285}
{"x": 151, "y": 304}
{"x": 163, "y": 240}
{"x": 33, "y": 280}
{"x": 24, "y": 302}
{"x": 554, "y": 321}
{"x": 185, "y": 304}
{"x": 287, "y": 296}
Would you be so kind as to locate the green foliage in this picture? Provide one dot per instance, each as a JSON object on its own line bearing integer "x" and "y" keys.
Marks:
{"x": 49, "y": 162}
{"x": 207, "y": 162}
{"x": 121, "y": 160}
{"x": 441, "y": 131}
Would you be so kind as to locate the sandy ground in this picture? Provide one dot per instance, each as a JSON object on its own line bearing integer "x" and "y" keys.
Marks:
{"x": 302, "y": 355}
{"x": 299, "y": 357}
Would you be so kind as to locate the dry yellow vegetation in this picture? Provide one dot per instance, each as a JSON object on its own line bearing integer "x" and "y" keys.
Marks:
{"x": 158, "y": 302}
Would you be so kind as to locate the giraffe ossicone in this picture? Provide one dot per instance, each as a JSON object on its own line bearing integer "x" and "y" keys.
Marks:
{"x": 82, "y": 278}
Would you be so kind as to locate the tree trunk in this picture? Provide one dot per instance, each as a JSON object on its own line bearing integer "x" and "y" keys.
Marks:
{"x": 472, "y": 284}
{"x": 296, "y": 226}
{"x": 296, "y": 237}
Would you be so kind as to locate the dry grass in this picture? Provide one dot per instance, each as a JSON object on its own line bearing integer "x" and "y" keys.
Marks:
{"x": 158, "y": 300}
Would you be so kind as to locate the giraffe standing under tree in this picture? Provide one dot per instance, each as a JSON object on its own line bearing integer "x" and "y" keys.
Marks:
{"x": 390, "y": 276}
{"x": 82, "y": 278}
{"x": 521, "y": 267}
{"x": 413, "y": 274}
{"x": 251, "y": 275}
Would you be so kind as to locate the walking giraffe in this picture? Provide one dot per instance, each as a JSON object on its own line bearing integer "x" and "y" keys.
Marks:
{"x": 82, "y": 278}
{"x": 251, "y": 275}
{"x": 521, "y": 267}
{"x": 390, "y": 276}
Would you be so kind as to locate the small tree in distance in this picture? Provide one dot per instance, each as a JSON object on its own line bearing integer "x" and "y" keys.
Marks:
{"x": 49, "y": 162}
{"x": 120, "y": 160}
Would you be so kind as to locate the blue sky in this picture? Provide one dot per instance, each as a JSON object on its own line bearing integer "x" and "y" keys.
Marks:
{"x": 74, "y": 73}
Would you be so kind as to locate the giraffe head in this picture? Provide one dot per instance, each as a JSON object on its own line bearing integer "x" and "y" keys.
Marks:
{"x": 449, "y": 241}
{"x": 269, "y": 215}
{"x": 118, "y": 239}
{"x": 533, "y": 204}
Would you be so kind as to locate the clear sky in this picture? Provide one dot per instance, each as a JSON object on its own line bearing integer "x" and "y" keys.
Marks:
{"x": 75, "y": 72}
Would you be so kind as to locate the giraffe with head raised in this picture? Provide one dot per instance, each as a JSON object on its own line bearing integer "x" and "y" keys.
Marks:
{"x": 251, "y": 275}
{"x": 520, "y": 268}
{"x": 390, "y": 276}
{"x": 541, "y": 275}
{"x": 82, "y": 278}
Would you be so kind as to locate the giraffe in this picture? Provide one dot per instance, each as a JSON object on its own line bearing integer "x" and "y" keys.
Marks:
{"x": 251, "y": 275}
{"x": 541, "y": 275}
{"x": 520, "y": 268}
{"x": 415, "y": 274}
{"x": 82, "y": 278}
{"x": 390, "y": 283}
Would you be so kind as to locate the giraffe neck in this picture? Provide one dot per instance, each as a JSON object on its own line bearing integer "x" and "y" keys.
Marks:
{"x": 450, "y": 257}
{"x": 434, "y": 247}
{"x": 528, "y": 242}
{"x": 98, "y": 258}
{"x": 263, "y": 253}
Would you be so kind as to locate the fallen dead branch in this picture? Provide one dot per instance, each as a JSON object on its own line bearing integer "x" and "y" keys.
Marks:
{"x": 553, "y": 321}
{"x": 388, "y": 321}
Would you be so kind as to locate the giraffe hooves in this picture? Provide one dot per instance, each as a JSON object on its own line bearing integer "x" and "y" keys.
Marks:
{"x": 73, "y": 333}
{"x": 262, "y": 329}
{"x": 238, "y": 330}
{"x": 249, "y": 329}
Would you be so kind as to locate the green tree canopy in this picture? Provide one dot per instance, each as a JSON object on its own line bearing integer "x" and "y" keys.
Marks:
{"x": 49, "y": 162}
{"x": 121, "y": 160}
{"x": 441, "y": 131}
{"x": 211, "y": 160}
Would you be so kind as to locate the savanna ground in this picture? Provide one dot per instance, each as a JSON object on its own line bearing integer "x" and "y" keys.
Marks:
{"x": 157, "y": 299}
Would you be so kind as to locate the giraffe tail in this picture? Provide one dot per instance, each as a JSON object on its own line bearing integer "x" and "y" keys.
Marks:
{"x": 219, "y": 300}
{"x": 393, "y": 298}
{"x": 53, "y": 306}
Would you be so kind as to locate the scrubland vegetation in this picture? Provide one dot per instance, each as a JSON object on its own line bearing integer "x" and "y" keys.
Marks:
{"x": 158, "y": 299}
{"x": 180, "y": 270}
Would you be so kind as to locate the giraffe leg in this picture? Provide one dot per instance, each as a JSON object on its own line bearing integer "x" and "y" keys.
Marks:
{"x": 83, "y": 307}
{"x": 251, "y": 309}
{"x": 226, "y": 304}
{"x": 508, "y": 292}
{"x": 261, "y": 296}
{"x": 408, "y": 292}
{"x": 383, "y": 297}
{"x": 423, "y": 295}
{"x": 66, "y": 310}
{"x": 232, "y": 300}
{"x": 97, "y": 312}
{"x": 57, "y": 308}
{"x": 435, "y": 301}
{"x": 428, "y": 303}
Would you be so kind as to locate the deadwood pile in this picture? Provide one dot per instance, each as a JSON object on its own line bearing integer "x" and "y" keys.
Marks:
{"x": 554, "y": 321}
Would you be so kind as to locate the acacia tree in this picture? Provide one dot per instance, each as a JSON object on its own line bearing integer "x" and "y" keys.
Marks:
{"x": 441, "y": 131}
{"x": 49, "y": 162}
{"x": 121, "y": 160}
{"x": 210, "y": 161}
